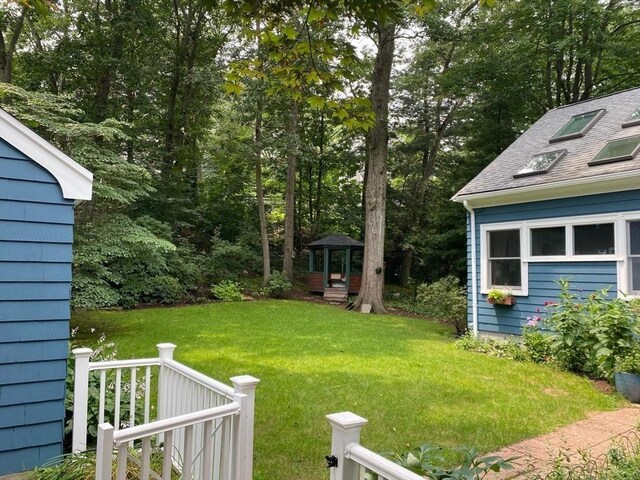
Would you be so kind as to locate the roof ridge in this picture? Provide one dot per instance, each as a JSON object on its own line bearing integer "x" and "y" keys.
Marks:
{"x": 596, "y": 98}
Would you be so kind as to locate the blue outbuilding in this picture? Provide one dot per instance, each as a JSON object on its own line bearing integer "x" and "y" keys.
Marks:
{"x": 38, "y": 188}
{"x": 563, "y": 201}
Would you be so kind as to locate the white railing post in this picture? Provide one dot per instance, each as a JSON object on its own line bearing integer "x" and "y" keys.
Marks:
{"x": 165, "y": 352}
{"x": 246, "y": 385}
{"x": 80, "y": 399}
{"x": 346, "y": 427}
{"x": 239, "y": 426}
{"x": 104, "y": 452}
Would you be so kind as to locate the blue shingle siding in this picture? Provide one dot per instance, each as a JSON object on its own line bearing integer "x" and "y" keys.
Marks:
{"x": 36, "y": 236}
{"x": 584, "y": 276}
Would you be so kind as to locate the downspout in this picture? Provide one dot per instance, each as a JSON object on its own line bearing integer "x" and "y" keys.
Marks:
{"x": 474, "y": 273}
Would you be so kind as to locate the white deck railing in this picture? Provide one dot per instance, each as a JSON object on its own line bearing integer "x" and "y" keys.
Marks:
{"x": 204, "y": 427}
{"x": 351, "y": 460}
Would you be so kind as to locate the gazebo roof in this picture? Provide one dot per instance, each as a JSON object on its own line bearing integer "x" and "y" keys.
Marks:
{"x": 336, "y": 241}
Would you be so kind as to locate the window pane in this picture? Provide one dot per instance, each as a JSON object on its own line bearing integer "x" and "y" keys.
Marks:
{"x": 623, "y": 149}
{"x": 540, "y": 163}
{"x": 597, "y": 239}
{"x": 504, "y": 244}
{"x": 548, "y": 241}
{"x": 318, "y": 261}
{"x": 634, "y": 238}
{"x": 356, "y": 261}
{"x": 505, "y": 273}
{"x": 635, "y": 274}
{"x": 577, "y": 124}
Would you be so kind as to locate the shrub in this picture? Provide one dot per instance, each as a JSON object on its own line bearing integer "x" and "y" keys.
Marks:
{"x": 426, "y": 460}
{"x": 231, "y": 261}
{"x": 590, "y": 334}
{"x": 278, "y": 285}
{"x": 536, "y": 343}
{"x": 227, "y": 291}
{"x": 446, "y": 300}
{"x": 630, "y": 361}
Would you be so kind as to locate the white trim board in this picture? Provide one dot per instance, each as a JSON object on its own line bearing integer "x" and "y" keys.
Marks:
{"x": 74, "y": 180}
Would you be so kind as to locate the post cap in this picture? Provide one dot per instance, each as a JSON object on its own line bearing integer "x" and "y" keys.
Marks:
{"x": 81, "y": 352}
{"x": 347, "y": 420}
{"x": 244, "y": 381}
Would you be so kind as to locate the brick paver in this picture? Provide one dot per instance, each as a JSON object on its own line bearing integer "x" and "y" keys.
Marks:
{"x": 595, "y": 435}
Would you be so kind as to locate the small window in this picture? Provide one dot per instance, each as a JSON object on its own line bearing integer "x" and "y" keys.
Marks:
{"x": 504, "y": 258}
{"x": 634, "y": 256}
{"x": 617, "y": 151}
{"x": 548, "y": 242}
{"x": 540, "y": 163}
{"x": 633, "y": 120}
{"x": 578, "y": 126}
{"x": 596, "y": 239}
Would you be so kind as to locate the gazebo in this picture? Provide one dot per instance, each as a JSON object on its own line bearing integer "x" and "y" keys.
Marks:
{"x": 335, "y": 266}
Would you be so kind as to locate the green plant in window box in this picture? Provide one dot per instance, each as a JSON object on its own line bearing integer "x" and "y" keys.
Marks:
{"x": 496, "y": 296}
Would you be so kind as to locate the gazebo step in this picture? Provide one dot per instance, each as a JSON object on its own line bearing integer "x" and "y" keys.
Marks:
{"x": 335, "y": 294}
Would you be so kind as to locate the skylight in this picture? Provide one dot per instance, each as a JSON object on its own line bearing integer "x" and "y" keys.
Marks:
{"x": 617, "y": 150}
{"x": 578, "y": 126}
{"x": 540, "y": 163}
{"x": 633, "y": 120}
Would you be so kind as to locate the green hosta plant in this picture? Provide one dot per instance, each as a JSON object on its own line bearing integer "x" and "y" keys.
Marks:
{"x": 227, "y": 291}
{"x": 426, "y": 460}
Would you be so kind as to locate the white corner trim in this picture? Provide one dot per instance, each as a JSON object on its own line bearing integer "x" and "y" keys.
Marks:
{"x": 74, "y": 180}
{"x": 474, "y": 271}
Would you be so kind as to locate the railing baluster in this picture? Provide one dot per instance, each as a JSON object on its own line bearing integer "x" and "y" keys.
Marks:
{"x": 116, "y": 413}
{"x": 167, "y": 455}
{"x": 132, "y": 400}
{"x": 207, "y": 454}
{"x": 145, "y": 455}
{"x": 103, "y": 386}
{"x": 121, "y": 469}
{"x": 147, "y": 394}
{"x": 187, "y": 454}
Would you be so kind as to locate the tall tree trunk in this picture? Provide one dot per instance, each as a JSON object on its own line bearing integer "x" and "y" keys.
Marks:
{"x": 289, "y": 213}
{"x": 264, "y": 234}
{"x": 262, "y": 215}
{"x": 8, "y": 49}
{"x": 370, "y": 296}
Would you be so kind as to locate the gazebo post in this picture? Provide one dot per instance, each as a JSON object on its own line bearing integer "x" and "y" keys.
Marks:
{"x": 347, "y": 275}
{"x": 326, "y": 267}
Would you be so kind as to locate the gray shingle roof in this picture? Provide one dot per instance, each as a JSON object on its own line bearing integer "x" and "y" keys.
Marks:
{"x": 498, "y": 176}
{"x": 336, "y": 241}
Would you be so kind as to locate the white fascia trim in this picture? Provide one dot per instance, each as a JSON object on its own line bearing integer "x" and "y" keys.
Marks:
{"x": 74, "y": 180}
{"x": 613, "y": 182}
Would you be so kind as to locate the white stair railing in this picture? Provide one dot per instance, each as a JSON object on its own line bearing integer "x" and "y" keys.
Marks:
{"x": 351, "y": 461}
{"x": 181, "y": 391}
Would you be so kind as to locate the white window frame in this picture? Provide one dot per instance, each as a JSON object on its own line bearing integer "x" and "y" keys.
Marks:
{"x": 621, "y": 241}
{"x": 485, "y": 284}
{"x": 627, "y": 264}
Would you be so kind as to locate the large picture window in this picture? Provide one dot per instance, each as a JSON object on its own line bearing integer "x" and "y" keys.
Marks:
{"x": 504, "y": 258}
{"x": 595, "y": 239}
{"x": 548, "y": 242}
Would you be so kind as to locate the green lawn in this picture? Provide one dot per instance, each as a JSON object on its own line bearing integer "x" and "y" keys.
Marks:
{"x": 404, "y": 375}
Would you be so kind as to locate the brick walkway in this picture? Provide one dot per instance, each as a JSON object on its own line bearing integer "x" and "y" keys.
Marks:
{"x": 595, "y": 435}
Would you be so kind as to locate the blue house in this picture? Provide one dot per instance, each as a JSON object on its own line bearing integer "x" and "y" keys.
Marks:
{"x": 563, "y": 201}
{"x": 38, "y": 187}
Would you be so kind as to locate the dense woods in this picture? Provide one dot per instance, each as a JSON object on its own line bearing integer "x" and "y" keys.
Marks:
{"x": 225, "y": 136}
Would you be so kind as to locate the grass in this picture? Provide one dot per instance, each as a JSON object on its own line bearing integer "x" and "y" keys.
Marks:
{"x": 404, "y": 375}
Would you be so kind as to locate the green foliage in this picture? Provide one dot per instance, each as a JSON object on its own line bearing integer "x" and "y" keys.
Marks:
{"x": 278, "y": 285}
{"x": 227, "y": 291}
{"x": 590, "y": 334}
{"x": 445, "y": 300}
{"x": 426, "y": 460}
{"x": 231, "y": 261}
{"x": 493, "y": 347}
{"x": 538, "y": 345}
{"x": 497, "y": 295}
{"x": 103, "y": 351}
{"x": 629, "y": 362}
